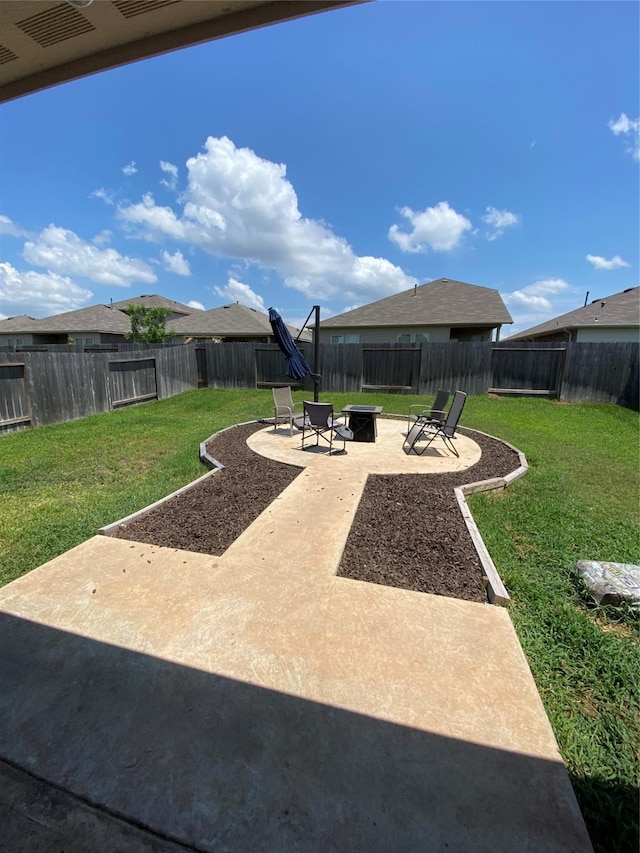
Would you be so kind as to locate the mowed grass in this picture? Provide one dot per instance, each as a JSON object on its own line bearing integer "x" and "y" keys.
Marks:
{"x": 580, "y": 500}
{"x": 60, "y": 483}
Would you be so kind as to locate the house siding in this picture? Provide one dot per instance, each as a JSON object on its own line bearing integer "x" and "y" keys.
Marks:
{"x": 386, "y": 335}
{"x": 628, "y": 334}
{"x": 10, "y": 339}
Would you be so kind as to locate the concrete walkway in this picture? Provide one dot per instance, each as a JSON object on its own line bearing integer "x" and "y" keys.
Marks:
{"x": 254, "y": 701}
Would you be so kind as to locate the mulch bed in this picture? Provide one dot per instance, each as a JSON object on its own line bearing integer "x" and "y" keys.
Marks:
{"x": 210, "y": 516}
{"x": 407, "y": 531}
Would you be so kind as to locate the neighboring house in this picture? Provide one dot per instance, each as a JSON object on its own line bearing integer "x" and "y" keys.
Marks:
{"x": 97, "y": 324}
{"x": 108, "y": 324}
{"x": 14, "y": 331}
{"x": 228, "y": 323}
{"x": 613, "y": 318}
{"x": 442, "y": 310}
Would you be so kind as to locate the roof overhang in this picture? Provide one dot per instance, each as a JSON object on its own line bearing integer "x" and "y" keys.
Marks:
{"x": 45, "y": 43}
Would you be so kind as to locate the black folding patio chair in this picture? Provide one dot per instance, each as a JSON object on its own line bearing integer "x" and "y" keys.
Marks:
{"x": 432, "y": 429}
{"x": 436, "y": 413}
{"x": 318, "y": 421}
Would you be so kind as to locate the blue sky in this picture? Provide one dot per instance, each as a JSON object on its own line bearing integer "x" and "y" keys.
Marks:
{"x": 335, "y": 160}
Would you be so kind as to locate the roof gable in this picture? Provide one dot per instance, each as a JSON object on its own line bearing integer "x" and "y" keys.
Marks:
{"x": 443, "y": 302}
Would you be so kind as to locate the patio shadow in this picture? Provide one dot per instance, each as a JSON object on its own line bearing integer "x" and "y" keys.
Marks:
{"x": 220, "y": 764}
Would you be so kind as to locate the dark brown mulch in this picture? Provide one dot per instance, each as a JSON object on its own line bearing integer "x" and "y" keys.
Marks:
{"x": 210, "y": 516}
{"x": 407, "y": 532}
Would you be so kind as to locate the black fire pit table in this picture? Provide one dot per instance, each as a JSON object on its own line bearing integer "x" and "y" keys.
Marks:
{"x": 362, "y": 421}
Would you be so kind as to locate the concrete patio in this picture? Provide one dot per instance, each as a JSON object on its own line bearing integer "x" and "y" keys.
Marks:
{"x": 255, "y": 701}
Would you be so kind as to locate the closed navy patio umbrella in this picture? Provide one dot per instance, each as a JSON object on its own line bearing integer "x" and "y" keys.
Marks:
{"x": 297, "y": 367}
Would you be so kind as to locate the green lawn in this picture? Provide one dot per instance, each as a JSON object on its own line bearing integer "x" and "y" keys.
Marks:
{"x": 580, "y": 500}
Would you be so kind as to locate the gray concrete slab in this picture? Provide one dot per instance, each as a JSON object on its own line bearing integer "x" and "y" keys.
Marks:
{"x": 36, "y": 817}
{"x": 254, "y": 701}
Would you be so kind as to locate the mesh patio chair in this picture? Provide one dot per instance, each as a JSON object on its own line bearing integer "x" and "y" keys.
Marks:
{"x": 284, "y": 409}
{"x": 318, "y": 421}
{"x": 437, "y": 412}
{"x": 432, "y": 429}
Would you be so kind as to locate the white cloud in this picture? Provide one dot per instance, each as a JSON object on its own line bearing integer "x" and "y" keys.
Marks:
{"x": 171, "y": 182}
{"x": 130, "y": 168}
{"x": 9, "y": 228}
{"x": 600, "y": 263}
{"x": 103, "y": 238}
{"x": 236, "y": 291}
{"x": 156, "y": 221}
{"x": 176, "y": 263}
{"x": 631, "y": 127}
{"x": 237, "y": 205}
{"x": 439, "y": 228}
{"x": 498, "y": 220}
{"x": 36, "y": 293}
{"x": 533, "y": 297}
{"x": 107, "y": 196}
{"x": 62, "y": 251}
{"x": 194, "y": 304}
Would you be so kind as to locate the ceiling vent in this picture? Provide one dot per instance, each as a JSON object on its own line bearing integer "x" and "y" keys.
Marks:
{"x": 132, "y": 8}
{"x": 55, "y": 25}
{"x": 6, "y": 55}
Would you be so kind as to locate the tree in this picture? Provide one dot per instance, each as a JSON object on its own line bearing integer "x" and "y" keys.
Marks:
{"x": 148, "y": 325}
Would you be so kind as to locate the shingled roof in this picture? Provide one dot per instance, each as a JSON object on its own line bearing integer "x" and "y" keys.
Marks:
{"x": 227, "y": 321}
{"x": 233, "y": 320}
{"x": 619, "y": 309}
{"x": 154, "y": 300}
{"x": 444, "y": 302}
{"x": 95, "y": 318}
{"x": 21, "y": 323}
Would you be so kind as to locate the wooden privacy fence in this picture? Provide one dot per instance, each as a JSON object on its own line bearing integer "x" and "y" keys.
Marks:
{"x": 63, "y": 384}
{"x": 132, "y": 380}
{"x": 397, "y": 370}
{"x": 536, "y": 371}
{"x": 573, "y": 372}
{"x": 47, "y": 387}
{"x": 15, "y": 408}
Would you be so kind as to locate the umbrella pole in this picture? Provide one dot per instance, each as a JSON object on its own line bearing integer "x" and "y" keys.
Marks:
{"x": 316, "y": 354}
{"x": 315, "y": 376}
